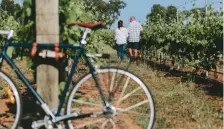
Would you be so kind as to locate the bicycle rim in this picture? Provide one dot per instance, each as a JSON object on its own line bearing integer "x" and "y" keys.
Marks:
{"x": 130, "y": 99}
{"x": 10, "y": 103}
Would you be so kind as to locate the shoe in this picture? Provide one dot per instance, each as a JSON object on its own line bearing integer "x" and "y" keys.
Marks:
{"x": 131, "y": 59}
{"x": 138, "y": 61}
{"x": 121, "y": 61}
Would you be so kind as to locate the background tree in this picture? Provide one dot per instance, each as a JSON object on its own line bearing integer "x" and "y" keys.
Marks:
{"x": 106, "y": 11}
{"x": 10, "y": 6}
{"x": 70, "y": 11}
{"x": 198, "y": 12}
{"x": 158, "y": 12}
{"x": 26, "y": 16}
{"x": 171, "y": 13}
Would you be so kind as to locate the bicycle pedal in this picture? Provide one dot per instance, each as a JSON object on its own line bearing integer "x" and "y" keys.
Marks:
{"x": 36, "y": 125}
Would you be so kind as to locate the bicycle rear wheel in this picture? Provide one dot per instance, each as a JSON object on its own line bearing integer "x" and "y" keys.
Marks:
{"x": 130, "y": 100}
{"x": 10, "y": 103}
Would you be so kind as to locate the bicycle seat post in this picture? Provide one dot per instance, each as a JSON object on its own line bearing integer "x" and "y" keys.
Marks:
{"x": 83, "y": 40}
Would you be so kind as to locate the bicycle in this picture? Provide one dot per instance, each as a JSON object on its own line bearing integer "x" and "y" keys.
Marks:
{"x": 105, "y": 98}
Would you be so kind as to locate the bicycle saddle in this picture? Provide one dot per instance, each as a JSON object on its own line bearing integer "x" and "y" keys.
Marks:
{"x": 86, "y": 25}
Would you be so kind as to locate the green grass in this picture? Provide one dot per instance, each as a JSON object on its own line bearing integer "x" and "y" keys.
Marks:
{"x": 179, "y": 105}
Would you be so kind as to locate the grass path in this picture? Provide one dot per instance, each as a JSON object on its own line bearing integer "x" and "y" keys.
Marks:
{"x": 181, "y": 105}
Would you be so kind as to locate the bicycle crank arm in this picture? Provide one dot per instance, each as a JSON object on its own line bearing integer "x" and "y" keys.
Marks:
{"x": 36, "y": 125}
{"x": 76, "y": 116}
{"x": 65, "y": 117}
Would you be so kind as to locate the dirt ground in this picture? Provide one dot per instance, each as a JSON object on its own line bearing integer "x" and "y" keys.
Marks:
{"x": 179, "y": 105}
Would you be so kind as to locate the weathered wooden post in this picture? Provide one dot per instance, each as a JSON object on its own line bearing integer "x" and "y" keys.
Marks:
{"x": 47, "y": 28}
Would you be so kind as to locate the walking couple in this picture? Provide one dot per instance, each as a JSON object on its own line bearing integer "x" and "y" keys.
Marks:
{"x": 132, "y": 34}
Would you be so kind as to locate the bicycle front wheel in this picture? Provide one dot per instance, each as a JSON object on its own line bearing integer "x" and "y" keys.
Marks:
{"x": 129, "y": 101}
{"x": 10, "y": 103}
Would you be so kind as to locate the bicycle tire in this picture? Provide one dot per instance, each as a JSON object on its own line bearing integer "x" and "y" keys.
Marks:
{"x": 8, "y": 106}
{"x": 85, "y": 95}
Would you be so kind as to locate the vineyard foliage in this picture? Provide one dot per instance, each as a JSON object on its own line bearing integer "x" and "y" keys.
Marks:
{"x": 193, "y": 39}
{"x": 22, "y": 21}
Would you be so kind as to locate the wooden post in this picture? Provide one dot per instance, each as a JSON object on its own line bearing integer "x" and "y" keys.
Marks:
{"x": 47, "y": 28}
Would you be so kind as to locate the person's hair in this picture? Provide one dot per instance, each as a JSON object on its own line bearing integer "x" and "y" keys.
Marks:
{"x": 120, "y": 24}
{"x": 132, "y": 18}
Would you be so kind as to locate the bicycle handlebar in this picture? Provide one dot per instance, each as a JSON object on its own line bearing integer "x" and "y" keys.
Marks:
{"x": 7, "y": 32}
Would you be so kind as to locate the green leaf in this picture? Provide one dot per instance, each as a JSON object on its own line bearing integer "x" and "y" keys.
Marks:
{"x": 28, "y": 12}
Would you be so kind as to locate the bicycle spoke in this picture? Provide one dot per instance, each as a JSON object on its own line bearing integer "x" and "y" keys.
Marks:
{"x": 132, "y": 107}
{"x": 103, "y": 82}
{"x": 112, "y": 82}
{"x": 123, "y": 91}
{"x": 87, "y": 103}
{"x": 109, "y": 120}
{"x": 85, "y": 109}
{"x": 124, "y": 122}
{"x": 89, "y": 123}
{"x": 128, "y": 95}
{"x": 5, "y": 122}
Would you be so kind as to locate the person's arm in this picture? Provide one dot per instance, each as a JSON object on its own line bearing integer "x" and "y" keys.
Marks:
{"x": 115, "y": 35}
{"x": 128, "y": 29}
{"x": 141, "y": 29}
{"x": 126, "y": 33}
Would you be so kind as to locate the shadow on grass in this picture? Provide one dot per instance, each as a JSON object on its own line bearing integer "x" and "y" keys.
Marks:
{"x": 211, "y": 87}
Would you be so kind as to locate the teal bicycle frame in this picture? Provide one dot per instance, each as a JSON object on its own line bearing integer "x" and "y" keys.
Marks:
{"x": 81, "y": 52}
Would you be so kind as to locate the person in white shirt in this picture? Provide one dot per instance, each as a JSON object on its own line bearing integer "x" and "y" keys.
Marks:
{"x": 134, "y": 31}
{"x": 121, "y": 35}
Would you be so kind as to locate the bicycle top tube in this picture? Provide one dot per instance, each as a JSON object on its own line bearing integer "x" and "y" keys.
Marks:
{"x": 43, "y": 45}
